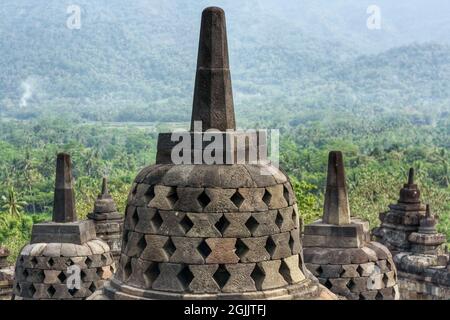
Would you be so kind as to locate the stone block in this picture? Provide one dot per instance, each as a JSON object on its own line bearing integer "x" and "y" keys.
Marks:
{"x": 278, "y": 245}
{"x": 145, "y": 223}
{"x": 187, "y": 199}
{"x": 349, "y": 271}
{"x": 290, "y": 270}
{"x": 252, "y": 199}
{"x": 220, "y": 200}
{"x": 252, "y": 249}
{"x": 164, "y": 199}
{"x": 267, "y": 276}
{"x": 187, "y": 250}
{"x": 235, "y": 227}
{"x": 168, "y": 279}
{"x": 240, "y": 278}
{"x": 366, "y": 269}
{"x": 277, "y": 199}
{"x": 203, "y": 280}
{"x": 158, "y": 248}
{"x": 171, "y": 223}
{"x": 203, "y": 225}
{"x": 263, "y": 223}
{"x": 78, "y": 232}
{"x": 331, "y": 271}
{"x": 222, "y": 250}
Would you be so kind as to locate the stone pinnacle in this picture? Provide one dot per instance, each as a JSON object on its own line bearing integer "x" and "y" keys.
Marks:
{"x": 64, "y": 198}
{"x": 105, "y": 192}
{"x": 213, "y": 97}
{"x": 336, "y": 208}
{"x": 411, "y": 176}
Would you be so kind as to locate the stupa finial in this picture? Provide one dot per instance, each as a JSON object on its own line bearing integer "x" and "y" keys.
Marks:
{"x": 411, "y": 176}
{"x": 64, "y": 198}
{"x": 213, "y": 96}
{"x": 336, "y": 208}
{"x": 105, "y": 190}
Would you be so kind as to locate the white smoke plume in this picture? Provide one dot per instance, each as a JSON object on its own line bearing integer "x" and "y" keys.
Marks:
{"x": 27, "y": 87}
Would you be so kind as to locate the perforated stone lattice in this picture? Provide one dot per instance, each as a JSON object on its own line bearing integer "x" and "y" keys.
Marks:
{"x": 206, "y": 239}
{"x": 41, "y": 270}
{"x": 366, "y": 273}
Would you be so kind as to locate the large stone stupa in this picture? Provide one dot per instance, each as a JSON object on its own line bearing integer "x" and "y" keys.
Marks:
{"x": 212, "y": 231}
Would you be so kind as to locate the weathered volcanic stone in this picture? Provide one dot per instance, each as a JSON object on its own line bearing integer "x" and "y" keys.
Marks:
{"x": 212, "y": 230}
{"x": 63, "y": 252}
{"x": 337, "y": 248}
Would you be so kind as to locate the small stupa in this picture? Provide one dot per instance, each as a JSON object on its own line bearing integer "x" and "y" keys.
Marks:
{"x": 212, "y": 230}
{"x": 402, "y": 219}
{"x": 64, "y": 260}
{"x": 337, "y": 249}
{"x": 108, "y": 222}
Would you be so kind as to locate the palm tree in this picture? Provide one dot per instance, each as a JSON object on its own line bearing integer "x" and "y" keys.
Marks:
{"x": 12, "y": 204}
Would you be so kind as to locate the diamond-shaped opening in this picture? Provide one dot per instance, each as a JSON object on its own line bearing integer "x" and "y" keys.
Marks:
{"x": 100, "y": 272}
{"x": 83, "y": 275}
{"x": 92, "y": 287}
{"x": 51, "y": 262}
{"x": 135, "y": 218}
{"x": 127, "y": 269}
{"x": 186, "y": 223}
{"x": 204, "y": 249}
{"x": 385, "y": 279}
{"x": 221, "y": 276}
{"x": 157, "y": 220}
{"x": 151, "y": 274}
{"x": 285, "y": 272}
{"x": 125, "y": 238}
{"x": 319, "y": 270}
{"x": 267, "y": 197}
{"x": 388, "y": 265}
{"x": 104, "y": 258}
{"x": 62, "y": 277}
{"x": 279, "y": 220}
{"x": 32, "y": 290}
{"x": 21, "y": 260}
{"x": 270, "y": 246}
{"x": 222, "y": 224}
{"x": 351, "y": 284}
{"x": 18, "y": 288}
{"x": 258, "y": 276}
{"x": 73, "y": 291}
{"x": 379, "y": 296}
{"x": 237, "y": 199}
{"x": 203, "y": 199}
{"x": 360, "y": 270}
{"x": 25, "y": 273}
{"x": 328, "y": 284}
{"x": 150, "y": 194}
{"x": 291, "y": 243}
{"x": 172, "y": 196}
{"x": 34, "y": 262}
{"x": 88, "y": 262}
{"x": 252, "y": 224}
{"x": 51, "y": 291}
{"x": 142, "y": 244}
{"x": 286, "y": 194}
{"x": 241, "y": 248}
{"x": 169, "y": 247}
{"x": 185, "y": 276}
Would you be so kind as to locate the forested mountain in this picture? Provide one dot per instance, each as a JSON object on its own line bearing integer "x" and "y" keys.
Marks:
{"x": 136, "y": 61}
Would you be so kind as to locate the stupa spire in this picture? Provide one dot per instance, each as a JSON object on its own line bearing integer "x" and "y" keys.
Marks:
{"x": 64, "y": 198}
{"x": 213, "y": 97}
{"x": 336, "y": 208}
{"x": 411, "y": 176}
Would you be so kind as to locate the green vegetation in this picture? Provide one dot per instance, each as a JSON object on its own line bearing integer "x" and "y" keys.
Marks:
{"x": 308, "y": 68}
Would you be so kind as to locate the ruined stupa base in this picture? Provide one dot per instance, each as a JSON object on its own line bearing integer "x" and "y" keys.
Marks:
{"x": 308, "y": 289}
{"x": 42, "y": 270}
{"x": 423, "y": 277}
